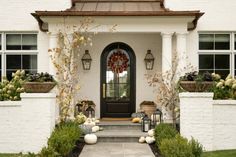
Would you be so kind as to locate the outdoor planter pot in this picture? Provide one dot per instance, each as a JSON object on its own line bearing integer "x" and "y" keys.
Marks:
{"x": 149, "y": 107}
{"x": 193, "y": 86}
{"x": 38, "y": 87}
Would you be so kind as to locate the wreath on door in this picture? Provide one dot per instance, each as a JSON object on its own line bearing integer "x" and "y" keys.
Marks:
{"x": 118, "y": 62}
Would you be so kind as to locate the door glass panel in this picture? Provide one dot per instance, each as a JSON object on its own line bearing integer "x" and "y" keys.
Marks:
{"x": 118, "y": 76}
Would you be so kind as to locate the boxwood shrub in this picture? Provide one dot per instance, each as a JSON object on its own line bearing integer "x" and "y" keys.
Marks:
{"x": 63, "y": 139}
{"x": 176, "y": 147}
{"x": 164, "y": 131}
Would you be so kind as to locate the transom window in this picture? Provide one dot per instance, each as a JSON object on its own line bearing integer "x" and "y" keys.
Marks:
{"x": 217, "y": 52}
{"x": 18, "y": 51}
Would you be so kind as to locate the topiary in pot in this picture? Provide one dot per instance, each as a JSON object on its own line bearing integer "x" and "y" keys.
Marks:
{"x": 164, "y": 131}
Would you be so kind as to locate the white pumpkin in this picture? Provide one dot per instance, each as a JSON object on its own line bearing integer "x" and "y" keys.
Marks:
{"x": 141, "y": 140}
{"x": 97, "y": 121}
{"x": 95, "y": 129}
{"x": 150, "y": 140}
{"x": 89, "y": 123}
{"x": 90, "y": 139}
{"x": 151, "y": 133}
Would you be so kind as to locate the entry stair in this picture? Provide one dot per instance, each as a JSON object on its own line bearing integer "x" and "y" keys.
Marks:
{"x": 119, "y": 131}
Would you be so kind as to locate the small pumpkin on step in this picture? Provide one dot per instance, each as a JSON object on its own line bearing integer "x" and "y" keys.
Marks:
{"x": 136, "y": 120}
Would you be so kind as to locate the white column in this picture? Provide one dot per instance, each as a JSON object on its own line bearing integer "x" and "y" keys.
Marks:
{"x": 52, "y": 45}
{"x": 181, "y": 48}
{"x": 166, "y": 51}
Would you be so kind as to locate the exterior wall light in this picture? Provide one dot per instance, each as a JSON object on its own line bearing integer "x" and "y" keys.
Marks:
{"x": 86, "y": 60}
{"x": 149, "y": 60}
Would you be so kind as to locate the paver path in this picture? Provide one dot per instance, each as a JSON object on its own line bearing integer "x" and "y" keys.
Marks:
{"x": 117, "y": 150}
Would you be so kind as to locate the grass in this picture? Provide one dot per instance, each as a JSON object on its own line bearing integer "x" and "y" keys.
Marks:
{"x": 8, "y": 155}
{"x": 223, "y": 153}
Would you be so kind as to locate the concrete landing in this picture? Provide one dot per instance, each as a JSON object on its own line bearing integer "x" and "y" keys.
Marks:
{"x": 117, "y": 150}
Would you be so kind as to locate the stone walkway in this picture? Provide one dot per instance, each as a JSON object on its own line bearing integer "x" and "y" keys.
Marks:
{"x": 117, "y": 150}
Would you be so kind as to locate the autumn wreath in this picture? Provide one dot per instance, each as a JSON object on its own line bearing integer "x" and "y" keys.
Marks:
{"x": 118, "y": 62}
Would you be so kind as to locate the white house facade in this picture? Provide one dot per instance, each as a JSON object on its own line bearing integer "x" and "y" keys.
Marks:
{"x": 203, "y": 30}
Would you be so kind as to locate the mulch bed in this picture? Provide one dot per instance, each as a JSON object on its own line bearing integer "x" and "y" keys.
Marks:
{"x": 77, "y": 149}
{"x": 155, "y": 150}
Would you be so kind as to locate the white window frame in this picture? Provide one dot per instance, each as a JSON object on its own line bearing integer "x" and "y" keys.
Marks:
{"x": 4, "y": 52}
{"x": 234, "y": 53}
{"x": 1, "y": 52}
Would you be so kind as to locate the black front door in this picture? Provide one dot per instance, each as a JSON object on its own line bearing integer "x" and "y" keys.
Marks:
{"x": 117, "y": 81}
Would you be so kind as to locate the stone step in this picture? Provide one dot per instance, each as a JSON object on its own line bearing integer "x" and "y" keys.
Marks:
{"x": 119, "y": 125}
{"x": 119, "y": 135}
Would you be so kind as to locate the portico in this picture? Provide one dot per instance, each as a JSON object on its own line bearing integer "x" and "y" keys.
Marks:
{"x": 141, "y": 26}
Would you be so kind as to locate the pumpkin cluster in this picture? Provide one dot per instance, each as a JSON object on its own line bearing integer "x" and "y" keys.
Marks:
{"x": 118, "y": 62}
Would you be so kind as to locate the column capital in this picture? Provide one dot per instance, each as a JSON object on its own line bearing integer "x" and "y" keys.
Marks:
{"x": 52, "y": 34}
{"x": 181, "y": 33}
{"x": 167, "y": 34}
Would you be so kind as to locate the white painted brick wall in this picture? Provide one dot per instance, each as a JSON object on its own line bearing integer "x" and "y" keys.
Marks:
{"x": 212, "y": 123}
{"x": 224, "y": 124}
{"x": 26, "y": 125}
{"x": 196, "y": 117}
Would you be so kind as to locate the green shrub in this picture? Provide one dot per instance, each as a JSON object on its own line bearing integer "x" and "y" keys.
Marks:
{"x": 64, "y": 137}
{"x": 163, "y": 131}
{"x": 48, "y": 152}
{"x": 176, "y": 147}
{"x": 197, "y": 149}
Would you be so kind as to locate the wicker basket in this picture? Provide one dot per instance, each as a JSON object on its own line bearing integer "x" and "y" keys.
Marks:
{"x": 149, "y": 107}
{"x": 38, "y": 87}
{"x": 193, "y": 86}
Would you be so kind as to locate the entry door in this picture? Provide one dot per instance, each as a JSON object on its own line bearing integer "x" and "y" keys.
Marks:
{"x": 117, "y": 81}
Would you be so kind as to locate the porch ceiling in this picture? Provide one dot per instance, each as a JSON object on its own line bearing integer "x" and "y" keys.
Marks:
{"x": 118, "y": 8}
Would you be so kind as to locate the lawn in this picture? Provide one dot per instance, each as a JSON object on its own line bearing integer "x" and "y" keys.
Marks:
{"x": 224, "y": 153}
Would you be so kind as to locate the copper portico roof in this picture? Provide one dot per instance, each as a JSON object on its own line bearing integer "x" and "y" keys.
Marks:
{"x": 118, "y": 8}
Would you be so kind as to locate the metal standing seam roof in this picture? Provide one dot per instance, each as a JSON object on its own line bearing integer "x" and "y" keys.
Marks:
{"x": 118, "y": 5}
{"x": 117, "y": 8}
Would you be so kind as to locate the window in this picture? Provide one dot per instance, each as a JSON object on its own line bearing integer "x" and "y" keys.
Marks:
{"x": 15, "y": 62}
{"x": 18, "y": 52}
{"x": 214, "y": 41}
{"x": 219, "y": 64}
{"x": 216, "y": 53}
{"x": 21, "y": 42}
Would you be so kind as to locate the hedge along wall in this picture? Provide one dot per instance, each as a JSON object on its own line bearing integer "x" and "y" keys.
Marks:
{"x": 211, "y": 122}
{"x": 26, "y": 125}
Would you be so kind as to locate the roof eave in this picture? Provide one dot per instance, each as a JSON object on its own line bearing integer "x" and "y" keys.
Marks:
{"x": 40, "y": 22}
{"x": 38, "y": 14}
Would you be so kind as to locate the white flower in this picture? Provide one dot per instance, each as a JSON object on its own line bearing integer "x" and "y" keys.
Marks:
{"x": 229, "y": 77}
{"x": 219, "y": 84}
{"x": 229, "y": 82}
{"x": 234, "y": 86}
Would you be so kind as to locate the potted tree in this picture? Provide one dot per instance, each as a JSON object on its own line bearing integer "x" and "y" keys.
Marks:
{"x": 39, "y": 83}
{"x": 195, "y": 82}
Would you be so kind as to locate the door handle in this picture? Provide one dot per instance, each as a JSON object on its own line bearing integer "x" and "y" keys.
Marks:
{"x": 104, "y": 90}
